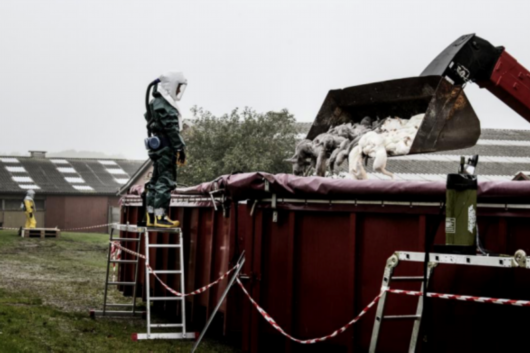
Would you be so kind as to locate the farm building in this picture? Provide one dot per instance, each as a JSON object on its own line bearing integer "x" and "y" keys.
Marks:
{"x": 70, "y": 192}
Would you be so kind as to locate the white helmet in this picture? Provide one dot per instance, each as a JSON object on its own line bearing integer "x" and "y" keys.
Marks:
{"x": 31, "y": 193}
{"x": 170, "y": 81}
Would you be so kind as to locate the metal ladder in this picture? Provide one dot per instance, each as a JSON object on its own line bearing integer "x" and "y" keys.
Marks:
{"x": 518, "y": 260}
{"x": 133, "y": 310}
{"x": 388, "y": 278}
{"x": 180, "y": 271}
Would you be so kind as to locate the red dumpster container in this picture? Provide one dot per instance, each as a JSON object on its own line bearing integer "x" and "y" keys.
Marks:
{"x": 316, "y": 249}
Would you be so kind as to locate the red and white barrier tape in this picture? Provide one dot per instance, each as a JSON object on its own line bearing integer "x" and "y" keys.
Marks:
{"x": 273, "y": 323}
{"x": 197, "y": 291}
{"x": 178, "y": 294}
{"x": 117, "y": 244}
{"x": 266, "y": 316}
{"x": 115, "y": 254}
{"x": 89, "y": 227}
{"x": 69, "y": 229}
{"x": 465, "y": 298}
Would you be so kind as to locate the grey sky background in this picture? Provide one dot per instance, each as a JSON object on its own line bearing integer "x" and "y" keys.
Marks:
{"x": 73, "y": 74}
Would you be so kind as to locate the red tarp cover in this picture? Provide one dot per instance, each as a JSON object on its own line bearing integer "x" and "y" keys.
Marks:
{"x": 252, "y": 186}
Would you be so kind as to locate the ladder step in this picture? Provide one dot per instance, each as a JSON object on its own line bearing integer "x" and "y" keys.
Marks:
{"x": 166, "y": 325}
{"x": 125, "y": 239}
{"x": 122, "y": 261}
{"x": 167, "y": 336}
{"x": 408, "y": 278}
{"x": 121, "y": 283}
{"x": 164, "y": 246}
{"x": 166, "y": 271}
{"x": 166, "y": 298}
{"x": 121, "y": 305}
{"x": 119, "y": 313}
{"x": 402, "y": 317}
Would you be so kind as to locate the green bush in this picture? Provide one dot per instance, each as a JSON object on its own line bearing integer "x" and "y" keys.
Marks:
{"x": 242, "y": 141}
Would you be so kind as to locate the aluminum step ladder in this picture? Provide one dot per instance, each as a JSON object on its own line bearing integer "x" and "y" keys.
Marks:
{"x": 132, "y": 309}
{"x": 388, "y": 278}
{"x": 178, "y": 244}
{"x": 518, "y": 260}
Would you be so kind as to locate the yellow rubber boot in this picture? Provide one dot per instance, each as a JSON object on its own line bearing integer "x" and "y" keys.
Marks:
{"x": 149, "y": 219}
{"x": 165, "y": 222}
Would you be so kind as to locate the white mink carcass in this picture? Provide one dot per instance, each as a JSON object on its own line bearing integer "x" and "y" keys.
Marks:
{"x": 415, "y": 121}
{"x": 392, "y": 124}
{"x": 371, "y": 145}
{"x": 394, "y": 136}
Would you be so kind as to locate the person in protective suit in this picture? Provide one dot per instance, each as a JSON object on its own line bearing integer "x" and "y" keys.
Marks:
{"x": 28, "y": 205}
{"x": 165, "y": 146}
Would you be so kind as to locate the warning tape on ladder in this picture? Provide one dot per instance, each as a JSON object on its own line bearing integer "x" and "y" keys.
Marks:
{"x": 117, "y": 244}
{"x": 115, "y": 253}
{"x": 465, "y": 298}
{"x": 178, "y": 294}
{"x": 273, "y": 323}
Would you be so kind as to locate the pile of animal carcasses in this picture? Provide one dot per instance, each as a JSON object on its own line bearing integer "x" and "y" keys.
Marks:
{"x": 371, "y": 138}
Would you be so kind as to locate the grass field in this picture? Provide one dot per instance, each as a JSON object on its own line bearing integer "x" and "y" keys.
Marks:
{"x": 46, "y": 290}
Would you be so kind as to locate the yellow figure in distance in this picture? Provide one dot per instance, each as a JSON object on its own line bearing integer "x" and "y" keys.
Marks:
{"x": 29, "y": 209}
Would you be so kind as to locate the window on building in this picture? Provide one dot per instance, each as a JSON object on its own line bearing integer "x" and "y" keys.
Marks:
{"x": 40, "y": 204}
{"x": 14, "y": 204}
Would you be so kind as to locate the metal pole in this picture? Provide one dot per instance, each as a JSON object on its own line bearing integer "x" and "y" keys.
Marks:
{"x": 107, "y": 280}
{"x": 240, "y": 262}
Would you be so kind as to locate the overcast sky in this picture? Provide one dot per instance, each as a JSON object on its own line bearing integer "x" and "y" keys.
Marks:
{"x": 73, "y": 74}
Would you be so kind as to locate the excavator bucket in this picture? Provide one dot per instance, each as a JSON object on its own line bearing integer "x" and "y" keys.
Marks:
{"x": 450, "y": 122}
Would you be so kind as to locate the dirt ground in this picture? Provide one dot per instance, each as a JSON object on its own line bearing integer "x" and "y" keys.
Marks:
{"x": 47, "y": 288}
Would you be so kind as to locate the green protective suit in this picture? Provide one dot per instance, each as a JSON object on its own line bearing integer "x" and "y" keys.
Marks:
{"x": 165, "y": 125}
